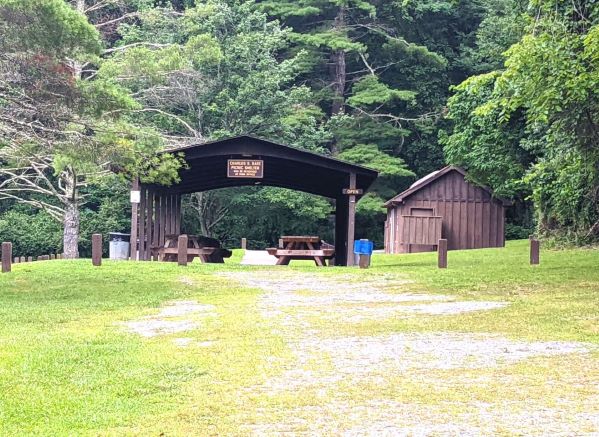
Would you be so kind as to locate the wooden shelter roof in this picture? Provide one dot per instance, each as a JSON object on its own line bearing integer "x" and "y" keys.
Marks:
{"x": 284, "y": 166}
{"x": 432, "y": 177}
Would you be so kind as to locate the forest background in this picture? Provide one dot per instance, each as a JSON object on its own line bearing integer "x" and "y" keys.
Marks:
{"x": 91, "y": 89}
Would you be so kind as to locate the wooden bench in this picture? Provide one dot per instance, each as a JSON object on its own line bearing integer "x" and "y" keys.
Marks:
{"x": 302, "y": 248}
{"x": 208, "y": 250}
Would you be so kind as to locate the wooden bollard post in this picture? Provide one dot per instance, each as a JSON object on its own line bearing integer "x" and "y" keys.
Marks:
{"x": 244, "y": 243}
{"x": 182, "y": 250}
{"x": 442, "y": 253}
{"x": 97, "y": 250}
{"x": 535, "y": 249}
{"x": 6, "y": 257}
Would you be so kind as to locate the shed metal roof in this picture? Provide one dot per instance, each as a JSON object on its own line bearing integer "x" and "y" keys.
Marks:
{"x": 432, "y": 177}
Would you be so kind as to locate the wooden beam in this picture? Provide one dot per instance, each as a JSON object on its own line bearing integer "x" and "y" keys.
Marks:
{"x": 303, "y": 252}
{"x": 134, "y": 221}
{"x": 351, "y": 221}
{"x": 6, "y": 257}
{"x": 97, "y": 250}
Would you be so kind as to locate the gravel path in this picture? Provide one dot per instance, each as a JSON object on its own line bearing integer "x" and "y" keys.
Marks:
{"x": 409, "y": 384}
{"x": 176, "y": 317}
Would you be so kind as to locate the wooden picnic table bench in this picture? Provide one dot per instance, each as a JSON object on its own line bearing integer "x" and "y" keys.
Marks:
{"x": 302, "y": 248}
{"x": 208, "y": 250}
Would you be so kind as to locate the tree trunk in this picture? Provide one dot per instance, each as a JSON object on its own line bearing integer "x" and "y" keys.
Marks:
{"x": 338, "y": 69}
{"x": 70, "y": 238}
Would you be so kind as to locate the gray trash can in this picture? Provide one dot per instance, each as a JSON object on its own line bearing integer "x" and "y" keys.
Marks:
{"x": 118, "y": 247}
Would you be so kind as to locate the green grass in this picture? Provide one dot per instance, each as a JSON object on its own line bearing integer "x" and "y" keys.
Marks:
{"x": 67, "y": 366}
{"x": 558, "y": 299}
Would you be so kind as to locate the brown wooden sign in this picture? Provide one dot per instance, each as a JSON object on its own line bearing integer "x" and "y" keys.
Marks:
{"x": 245, "y": 168}
{"x": 353, "y": 191}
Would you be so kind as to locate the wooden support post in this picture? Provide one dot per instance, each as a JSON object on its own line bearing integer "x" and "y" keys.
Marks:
{"x": 142, "y": 230}
{"x": 244, "y": 243}
{"x": 182, "y": 250}
{"x": 170, "y": 221}
{"x": 156, "y": 236}
{"x": 97, "y": 250}
{"x": 442, "y": 253}
{"x": 535, "y": 252}
{"x": 135, "y": 194}
{"x": 178, "y": 214}
{"x": 166, "y": 204}
{"x": 6, "y": 257}
{"x": 149, "y": 227}
{"x": 351, "y": 221}
{"x": 162, "y": 230}
{"x": 341, "y": 206}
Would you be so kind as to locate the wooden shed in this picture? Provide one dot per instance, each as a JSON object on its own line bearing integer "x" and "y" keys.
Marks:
{"x": 444, "y": 204}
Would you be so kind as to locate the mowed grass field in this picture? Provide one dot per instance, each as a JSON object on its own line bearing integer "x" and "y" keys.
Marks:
{"x": 69, "y": 366}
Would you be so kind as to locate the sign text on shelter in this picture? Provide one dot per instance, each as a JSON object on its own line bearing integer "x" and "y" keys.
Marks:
{"x": 353, "y": 191}
{"x": 245, "y": 168}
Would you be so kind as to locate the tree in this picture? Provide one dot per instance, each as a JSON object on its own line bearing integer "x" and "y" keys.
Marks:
{"x": 542, "y": 113}
{"x": 56, "y": 137}
{"x": 210, "y": 72}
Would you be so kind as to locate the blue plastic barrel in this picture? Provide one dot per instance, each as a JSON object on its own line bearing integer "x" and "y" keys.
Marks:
{"x": 363, "y": 247}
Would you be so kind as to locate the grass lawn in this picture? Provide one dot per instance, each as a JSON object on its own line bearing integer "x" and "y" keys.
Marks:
{"x": 68, "y": 365}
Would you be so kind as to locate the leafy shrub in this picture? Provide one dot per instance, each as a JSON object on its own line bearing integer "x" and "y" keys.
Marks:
{"x": 31, "y": 233}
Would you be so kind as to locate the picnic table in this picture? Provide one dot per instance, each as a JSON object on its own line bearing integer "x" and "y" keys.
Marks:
{"x": 302, "y": 248}
{"x": 208, "y": 250}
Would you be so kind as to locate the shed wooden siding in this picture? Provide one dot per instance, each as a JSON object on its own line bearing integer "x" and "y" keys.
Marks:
{"x": 471, "y": 217}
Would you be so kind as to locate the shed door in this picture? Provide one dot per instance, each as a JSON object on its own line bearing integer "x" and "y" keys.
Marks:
{"x": 419, "y": 230}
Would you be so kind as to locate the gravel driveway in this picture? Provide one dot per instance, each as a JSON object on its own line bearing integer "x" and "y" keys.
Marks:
{"x": 410, "y": 383}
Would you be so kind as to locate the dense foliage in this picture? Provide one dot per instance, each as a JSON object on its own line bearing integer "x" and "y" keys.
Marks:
{"x": 506, "y": 88}
{"x": 531, "y": 128}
